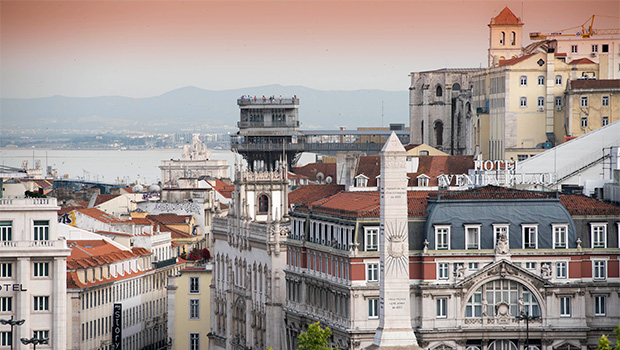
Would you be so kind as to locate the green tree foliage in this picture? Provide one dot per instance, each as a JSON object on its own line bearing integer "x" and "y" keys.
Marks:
{"x": 603, "y": 343}
{"x": 315, "y": 338}
{"x": 617, "y": 331}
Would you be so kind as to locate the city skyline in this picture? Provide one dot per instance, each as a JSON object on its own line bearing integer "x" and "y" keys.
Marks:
{"x": 146, "y": 48}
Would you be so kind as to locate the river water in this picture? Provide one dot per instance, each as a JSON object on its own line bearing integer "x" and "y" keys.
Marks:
{"x": 124, "y": 166}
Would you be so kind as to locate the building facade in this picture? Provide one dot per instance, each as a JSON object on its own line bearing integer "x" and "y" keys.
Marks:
{"x": 32, "y": 272}
{"x": 591, "y": 104}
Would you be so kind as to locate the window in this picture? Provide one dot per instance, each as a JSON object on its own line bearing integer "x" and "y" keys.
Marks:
{"x": 474, "y": 305}
{"x": 442, "y": 271}
{"x": 41, "y": 269}
{"x": 473, "y": 266}
{"x": 605, "y": 121}
{"x": 558, "y": 80}
{"x": 423, "y": 180}
{"x": 523, "y": 80}
{"x": 194, "y": 285}
{"x": 6, "y": 270}
{"x": 492, "y": 294}
{"x": 599, "y": 305}
{"x": 521, "y": 157}
{"x": 372, "y": 272}
{"x": 558, "y": 102}
{"x": 584, "y": 122}
{"x": 373, "y": 308}
{"x": 194, "y": 309}
{"x": 605, "y": 48}
{"x": 442, "y": 237}
{"x": 41, "y": 230}
{"x": 523, "y": 101}
{"x": 541, "y": 80}
{"x": 513, "y": 38}
{"x": 530, "y": 233}
{"x": 6, "y": 339}
{"x": 361, "y": 181}
{"x": 194, "y": 341}
{"x": 502, "y": 38}
{"x": 530, "y": 265}
{"x": 371, "y": 236}
{"x": 499, "y": 229}
{"x": 573, "y": 49}
{"x": 561, "y": 269}
{"x": 439, "y": 91}
{"x": 472, "y": 237}
{"x": 263, "y": 204}
{"x": 42, "y": 335}
{"x": 565, "y": 306}
{"x": 559, "y": 236}
{"x": 584, "y": 101}
{"x": 595, "y": 48}
{"x": 540, "y": 102}
{"x": 6, "y": 231}
{"x": 599, "y": 235}
{"x": 41, "y": 303}
{"x": 442, "y": 306}
{"x": 605, "y": 101}
{"x": 6, "y": 304}
{"x": 600, "y": 269}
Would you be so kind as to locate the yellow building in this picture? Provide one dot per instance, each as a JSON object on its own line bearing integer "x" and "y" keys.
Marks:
{"x": 424, "y": 150}
{"x": 189, "y": 308}
{"x": 591, "y": 104}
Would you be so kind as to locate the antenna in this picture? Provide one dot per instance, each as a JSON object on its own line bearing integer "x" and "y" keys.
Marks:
{"x": 381, "y": 112}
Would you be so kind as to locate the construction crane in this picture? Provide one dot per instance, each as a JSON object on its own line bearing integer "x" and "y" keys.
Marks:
{"x": 586, "y": 31}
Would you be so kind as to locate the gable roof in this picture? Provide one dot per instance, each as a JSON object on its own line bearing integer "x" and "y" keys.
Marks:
{"x": 594, "y": 84}
{"x": 223, "y": 188}
{"x": 581, "y": 61}
{"x": 99, "y": 215}
{"x": 578, "y": 204}
{"x": 102, "y": 198}
{"x": 506, "y": 17}
{"x": 170, "y": 219}
{"x": 490, "y": 192}
{"x": 515, "y": 60}
{"x": 307, "y": 194}
{"x": 312, "y": 169}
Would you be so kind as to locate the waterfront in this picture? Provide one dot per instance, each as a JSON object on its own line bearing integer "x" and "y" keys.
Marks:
{"x": 124, "y": 166}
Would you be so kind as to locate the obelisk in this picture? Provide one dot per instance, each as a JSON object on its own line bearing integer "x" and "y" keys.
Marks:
{"x": 394, "y": 331}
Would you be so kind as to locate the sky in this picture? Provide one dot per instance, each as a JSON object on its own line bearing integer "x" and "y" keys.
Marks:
{"x": 142, "y": 48}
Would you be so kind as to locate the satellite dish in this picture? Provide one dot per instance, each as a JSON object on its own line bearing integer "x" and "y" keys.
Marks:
{"x": 320, "y": 176}
{"x": 328, "y": 180}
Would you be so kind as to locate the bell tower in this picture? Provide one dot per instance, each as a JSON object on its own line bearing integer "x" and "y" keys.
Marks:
{"x": 505, "y": 37}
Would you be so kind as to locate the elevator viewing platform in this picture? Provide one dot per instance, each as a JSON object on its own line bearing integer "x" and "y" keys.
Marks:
{"x": 269, "y": 132}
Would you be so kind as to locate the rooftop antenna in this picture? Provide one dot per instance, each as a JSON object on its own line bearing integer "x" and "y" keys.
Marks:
{"x": 381, "y": 112}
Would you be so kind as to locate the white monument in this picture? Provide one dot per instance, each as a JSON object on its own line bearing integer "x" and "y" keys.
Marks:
{"x": 394, "y": 331}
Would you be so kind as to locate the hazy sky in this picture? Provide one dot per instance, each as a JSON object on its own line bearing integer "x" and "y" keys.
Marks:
{"x": 145, "y": 48}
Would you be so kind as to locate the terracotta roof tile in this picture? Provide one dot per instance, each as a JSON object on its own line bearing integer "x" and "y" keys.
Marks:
{"x": 312, "y": 169}
{"x": 493, "y": 192}
{"x": 581, "y": 61}
{"x": 506, "y": 17}
{"x": 102, "y": 198}
{"x": 309, "y": 193}
{"x": 594, "y": 84}
{"x": 99, "y": 215}
{"x": 223, "y": 188}
{"x": 170, "y": 218}
{"x": 513, "y": 61}
{"x": 433, "y": 166}
{"x": 578, "y": 204}
{"x": 68, "y": 209}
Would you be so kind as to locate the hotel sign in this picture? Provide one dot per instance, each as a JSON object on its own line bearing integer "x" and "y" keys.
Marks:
{"x": 117, "y": 327}
{"x": 498, "y": 173}
{"x": 12, "y": 287}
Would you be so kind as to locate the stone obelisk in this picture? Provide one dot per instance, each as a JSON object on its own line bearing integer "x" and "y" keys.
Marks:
{"x": 395, "y": 331}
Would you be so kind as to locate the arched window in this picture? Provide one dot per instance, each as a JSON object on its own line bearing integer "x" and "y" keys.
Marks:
{"x": 438, "y": 133}
{"x": 502, "y": 344}
{"x": 439, "y": 91}
{"x": 263, "y": 204}
{"x": 513, "y": 38}
{"x": 456, "y": 86}
{"x": 422, "y": 131}
{"x": 496, "y": 297}
{"x": 502, "y": 38}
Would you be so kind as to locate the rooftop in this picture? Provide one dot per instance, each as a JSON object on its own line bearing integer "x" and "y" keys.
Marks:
{"x": 506, "y": 17}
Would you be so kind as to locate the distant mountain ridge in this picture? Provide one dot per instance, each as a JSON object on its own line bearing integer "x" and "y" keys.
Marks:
{"x": 196, "y": 109}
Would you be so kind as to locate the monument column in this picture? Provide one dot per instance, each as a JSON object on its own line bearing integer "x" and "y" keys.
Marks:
{"x": 394, "y": 329}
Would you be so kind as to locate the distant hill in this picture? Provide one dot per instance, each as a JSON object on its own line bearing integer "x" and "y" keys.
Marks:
{"x": 196, "y": 109}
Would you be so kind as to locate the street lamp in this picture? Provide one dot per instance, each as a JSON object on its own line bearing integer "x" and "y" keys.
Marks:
{"x": 12, "y": 323}
{"x": 526, "y": 316}
{"x": 34, "y": 341}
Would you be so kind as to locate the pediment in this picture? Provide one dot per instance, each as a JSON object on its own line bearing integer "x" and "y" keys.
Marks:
{"x": 502, "y": 269}
{"x": 443, "y": 346}
{"x": 567, "y": 345}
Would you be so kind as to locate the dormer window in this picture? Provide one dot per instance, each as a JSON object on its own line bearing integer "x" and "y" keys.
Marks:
{"x": 378, "y": 178}
{"x": 423, "y": 180}
{"x": 263, "y": 204}
{"x": 361, "y": 180}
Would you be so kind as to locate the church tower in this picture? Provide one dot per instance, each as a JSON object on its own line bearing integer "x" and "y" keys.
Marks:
{"x": 505, "y": 37}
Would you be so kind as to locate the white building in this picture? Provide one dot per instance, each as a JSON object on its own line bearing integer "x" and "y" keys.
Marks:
{"x": 32, "y": 272}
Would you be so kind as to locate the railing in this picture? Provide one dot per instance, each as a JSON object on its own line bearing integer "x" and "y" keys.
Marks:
{"x": 164, "y": 263}
{"x": 27, "y": 201}
{"x": 268, "y": 124}
{"x": 255, "y": 100}
{"x": 33, "y": 244}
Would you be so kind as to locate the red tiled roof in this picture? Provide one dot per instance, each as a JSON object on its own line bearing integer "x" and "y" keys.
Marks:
{"x": 42, "y": 183}
{"x": 68, "y": 209}
{"x": 99, "y": 215}
{"x": 114, "y": 233}
{"x": 102, "y": 198}
{"x": 578, "y": 204}
{"x": 168, "y": 219}
{"x": 411, "y": 146}
{"x": 140, "y": 221}
{"x": 594, "y": 84}
{"x": 174, "y": 233}
{"x": 310, "y": 170}
{"x": 560, "y": 54}
{"x": 309, "y": 193}
{"x": 581, "y": 61}
{"x": 494, "y": 192}
{"x": 433, "y": 166}
{"x": 506, "y": 17}
{"x": 369, "y": 166}
{"x": 92, "y": 253}
{"x": 223, "y": 188}
{"x": 512, "y": 61}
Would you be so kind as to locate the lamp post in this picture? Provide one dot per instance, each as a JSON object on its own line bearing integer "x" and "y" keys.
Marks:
{"x": 34, "y": 341}
{"x": 12, "y": 323}
{"x": 526, "y": 316}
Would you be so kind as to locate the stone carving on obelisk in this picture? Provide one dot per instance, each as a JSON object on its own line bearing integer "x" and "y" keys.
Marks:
{"x": 394, "y": 329}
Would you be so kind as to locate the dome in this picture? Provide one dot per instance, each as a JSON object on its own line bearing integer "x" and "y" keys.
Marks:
{"x": 138, "y": 188}
{"x": 154, "y": 188}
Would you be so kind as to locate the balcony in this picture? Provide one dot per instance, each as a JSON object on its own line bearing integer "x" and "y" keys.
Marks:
{"x": 164, "y": 263}
{"x": 268, "y": 124}
{"x": 259, "y": 101}
{"x": 33, "y": 248}
{"x": 28, "y": 204}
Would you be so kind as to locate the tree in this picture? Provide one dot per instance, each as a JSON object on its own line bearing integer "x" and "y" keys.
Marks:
{"x": 617, "y": 331}
{"x": 603, "y": 343}
{"x": 315, "y": 338}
